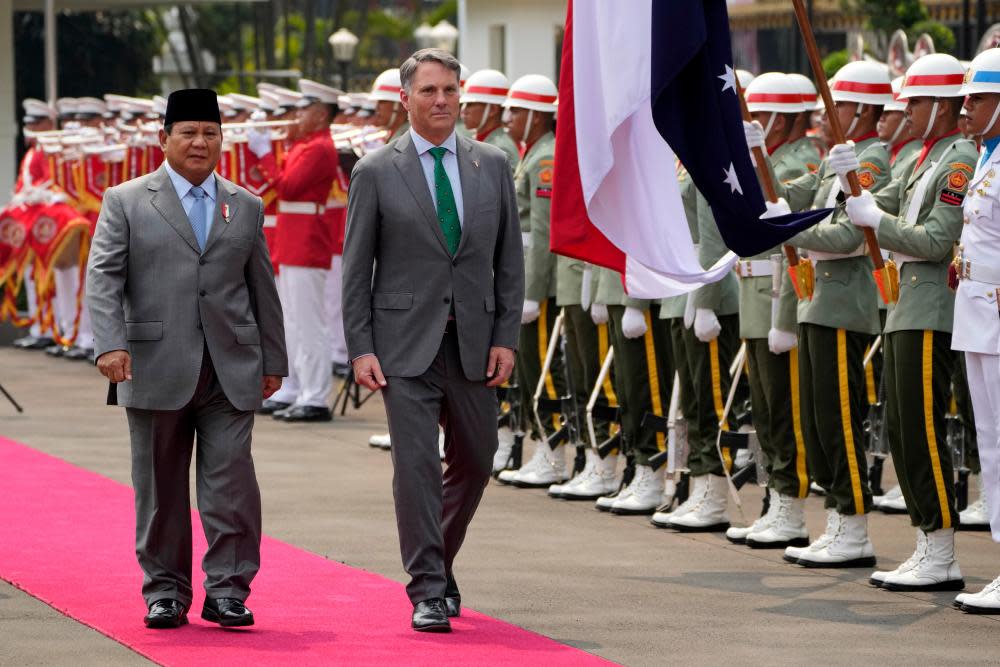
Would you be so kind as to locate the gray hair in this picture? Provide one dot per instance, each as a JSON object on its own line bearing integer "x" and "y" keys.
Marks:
{"x": 440, "y": 56}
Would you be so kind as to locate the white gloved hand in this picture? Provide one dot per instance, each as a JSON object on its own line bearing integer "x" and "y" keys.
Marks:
{"x": 531, "y": 311}
{"x": 779, "y": 341}
{"x": 755, "y": 135}
{"x": 843, "y": 160}
{"x": 863, "y": 211}
{"x": 259, "y": 141}
{"x": 706, "y": 325}
{"x": 599, "y": 313}
{"x": 257, "y": 116}
{"x": 585, "y": 295}
{"x": 634, "y": 323}
{"x": 776, "y": 209}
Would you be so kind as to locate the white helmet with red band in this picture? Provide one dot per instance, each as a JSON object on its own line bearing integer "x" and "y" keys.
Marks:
{"x": 933, "y": 75}
{"x": 896, "y": 104}
{"x": 387, "y": 86}
{"x": 487, "y": 86}
{"x": 775, "y": 92}
{"x": 463, "y": 74}
{"x": 745, "y": 77}
{"x": 806, "y": 89}
{"x": 534, "y": 92}
{"x": 862, "y": 81}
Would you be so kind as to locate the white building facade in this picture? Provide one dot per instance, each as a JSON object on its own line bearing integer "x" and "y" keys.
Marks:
{"x": 517, "y": 37}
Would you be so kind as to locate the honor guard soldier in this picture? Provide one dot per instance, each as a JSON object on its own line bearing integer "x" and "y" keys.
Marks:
{"x": 804, "y": 144}
{"x": 482, "y": 107}
{"x": 389, "y": 112}
{"x": 977, "y": 319}
{"x": 767, "y": 325}
{"x": 305, "y": 250}
{"x": 919, "y": 219}
{"x": 531, "y": 105}
{"x": 838, "y": 323}
{"x": 894, "y": 132}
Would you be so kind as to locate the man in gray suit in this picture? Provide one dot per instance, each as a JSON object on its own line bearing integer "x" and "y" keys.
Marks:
{"x": 189, "y": 332}
{"x": 434, "y": 215}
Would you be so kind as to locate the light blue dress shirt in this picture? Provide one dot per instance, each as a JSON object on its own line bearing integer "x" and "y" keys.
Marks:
{"x": 183, "y": 188}
{"x": 450, "y": 162}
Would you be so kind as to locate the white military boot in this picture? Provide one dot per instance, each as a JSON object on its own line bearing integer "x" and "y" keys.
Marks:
{"x": 380, "y": 441}
{"x": 549, "y": 468}
{"x": 709, "y": 515}
{"x": 937, "y": 570}
{"x": 601, "y": 481}
{"x": 878, "y": 577}
{"x": 850, "y": 546}
{"x": 738, "y": 535}
{"x": 505, "y": 436}
{"x": 976, "y": 516}
{"x": 696, "y": 493}
{"x": 792, "y": 554}
{"x": 786, "y": 529}
{"x": 986, "y": 601}
{"x": 556, "y": 490}
{"x": 647, "y": 491}
{"x": 892, "y": 502}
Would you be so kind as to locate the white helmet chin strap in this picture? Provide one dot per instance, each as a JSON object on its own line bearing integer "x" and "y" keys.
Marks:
{"x": 527, "y": 125}
{"x": 993, "y": 120}
{"x": 854, "y": 121}
{"x": 486, "y": 114}
{"x": 899, "y": 131}
{"x": 770, "y": 124}
{"x": 932, "y": 120}
{"x": 392, "y": 118}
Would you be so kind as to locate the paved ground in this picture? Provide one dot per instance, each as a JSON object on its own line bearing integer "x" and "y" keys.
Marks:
{"x": 612, "y": 586}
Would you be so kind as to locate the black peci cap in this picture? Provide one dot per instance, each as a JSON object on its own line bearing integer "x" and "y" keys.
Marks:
{"x": 192, "y": 104}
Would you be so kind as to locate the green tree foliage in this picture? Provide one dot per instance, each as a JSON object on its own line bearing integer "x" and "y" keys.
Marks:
{"x": 944, "y": 38}
{"x": 887, "y": 16}
{"x": 834, "y": 61}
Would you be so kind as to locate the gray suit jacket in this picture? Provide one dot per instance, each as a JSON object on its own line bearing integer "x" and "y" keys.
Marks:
{"x": 400, "y": 312}
{"x": 152, "y": 292}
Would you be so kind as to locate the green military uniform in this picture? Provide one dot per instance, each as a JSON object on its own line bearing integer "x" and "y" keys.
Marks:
{"x": 835, "y": 329}
{"x": 919, "y": 363}
{"x": 806, "y": 153}
{"x": 400, "y": 131}
{"x": 502, "y": 140}
{"x": 774, "y": 378}
{"x": 533, "y": 184}
{"x": 903, "y": 157}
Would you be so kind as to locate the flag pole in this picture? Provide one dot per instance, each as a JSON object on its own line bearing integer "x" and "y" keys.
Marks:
{"x": 888, "y": 285}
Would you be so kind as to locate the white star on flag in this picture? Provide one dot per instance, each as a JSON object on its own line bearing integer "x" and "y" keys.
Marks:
{"x": 732, "y": 180}
{"x": 730, "y": 78}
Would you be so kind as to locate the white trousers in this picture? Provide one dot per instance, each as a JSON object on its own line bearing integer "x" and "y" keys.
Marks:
{"x": 67, "y": 283}
{"x": 984, "y": 388}
{"x": 309, "y": 378}
{"x": 32, "y": 295}
{"x": 335, "y": 312}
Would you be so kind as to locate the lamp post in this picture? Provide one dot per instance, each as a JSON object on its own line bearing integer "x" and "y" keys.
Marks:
{"x": 344, "y": 43}
{"x": 424, "y": 36}
{"x": 445, "y": 36}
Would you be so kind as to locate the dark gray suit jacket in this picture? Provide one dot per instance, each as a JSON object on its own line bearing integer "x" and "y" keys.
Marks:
{"x": 400, "y": 312}
{"x": 152, "y": 292}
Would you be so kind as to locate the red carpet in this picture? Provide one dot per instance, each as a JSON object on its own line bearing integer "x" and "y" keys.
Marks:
{"x": 67, "y": 539}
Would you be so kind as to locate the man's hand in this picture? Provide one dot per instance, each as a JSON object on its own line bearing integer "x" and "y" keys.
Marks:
{"x": 115, "y": 365}
{"x": 272, "y": 383}
{"x": 500, "y": 365}
{"x": 368, "y": 372}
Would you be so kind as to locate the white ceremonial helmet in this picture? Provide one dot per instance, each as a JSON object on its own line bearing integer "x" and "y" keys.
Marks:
{"x": 984, "y": 74}
{"x": 463, "y": 74}
{"x": 387, "y": 86}
{"x": 806, "y": 88}
{"x": 775, "y": 92}
{"x": 862, "y": 81}
{"x": 313, "y": 91}
{"x": 933, "y": 75}
{"x": 745, "y": 77}
{"x": 488, "y": 86}
{"x": 896, "y": 104}
{"x": 534, "y": 92}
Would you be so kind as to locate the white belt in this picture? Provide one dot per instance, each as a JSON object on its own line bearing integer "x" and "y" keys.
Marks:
{"x": 300, "y": 207}
{"x": 821, "y": 256}
{"x": 526, "y": 239}
{"x": 754, "y": 268}
{"x": 270, "y": 221}
{"x": 902, "y": 259}
{"x": 978, "y": 272}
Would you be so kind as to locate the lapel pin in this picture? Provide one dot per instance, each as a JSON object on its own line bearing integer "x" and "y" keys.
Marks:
{"x": 225, "y": 213}
{"x": 475, "y": 163}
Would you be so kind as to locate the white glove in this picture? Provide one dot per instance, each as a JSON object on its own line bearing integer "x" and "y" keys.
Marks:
{"x": 843, "y": 160}
{"x": 585, "y": 295}
{"x": 863, "y": 211}
{"x": 688, "y": 312}
{"x": 599, "y": 313}
{"x": 634, "y": 323}
{"x": 779, "y": 341}
{"x": 259, "y": 141}
{"x": 258, "y": 116}
{"x": 531, "y": 311}
{"x": 776, "y": 209}
{"x": 755, "y": 135}
{"x": 706, "y": 325}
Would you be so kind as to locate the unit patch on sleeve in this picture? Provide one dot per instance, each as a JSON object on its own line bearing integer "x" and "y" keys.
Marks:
{"x": 544, "y": 192}
{"x": 957, "y": 180}
{"x": 866, "y": 179}
{"x": 952, "y": 197}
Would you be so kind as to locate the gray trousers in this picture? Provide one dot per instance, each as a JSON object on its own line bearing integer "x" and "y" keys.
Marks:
{"x": 434, "y": 508}
{"x": 228, "y": 495}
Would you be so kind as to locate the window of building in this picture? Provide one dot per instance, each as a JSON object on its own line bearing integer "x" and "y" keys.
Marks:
{"x": 498, "y": 47}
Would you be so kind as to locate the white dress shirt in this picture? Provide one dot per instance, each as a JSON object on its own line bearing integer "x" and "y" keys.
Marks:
{"x": 450, "y": 162}
{"x": 183, "y": 188}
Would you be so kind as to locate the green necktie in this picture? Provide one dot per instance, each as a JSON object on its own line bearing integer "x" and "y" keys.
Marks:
{"x": 446, "y": 209}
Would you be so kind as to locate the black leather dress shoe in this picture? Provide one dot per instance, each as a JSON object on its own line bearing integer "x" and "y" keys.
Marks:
{"x": 453, "y": 605}
{"x": 431, "y": 616}
{"x": 305, "y": 413}
{"x": 166, "y": 614}
{"x": 32, "y": 343}
{"x": 227, "y": 612}
{"x": 269, "y": 407}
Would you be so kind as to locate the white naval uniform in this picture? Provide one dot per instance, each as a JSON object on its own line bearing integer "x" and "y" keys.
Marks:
{"x": 977, "y": 321}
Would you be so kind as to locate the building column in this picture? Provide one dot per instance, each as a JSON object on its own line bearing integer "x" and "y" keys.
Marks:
{"x": 8, "y": 116}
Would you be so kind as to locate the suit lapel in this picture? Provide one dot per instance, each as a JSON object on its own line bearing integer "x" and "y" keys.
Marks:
{"x": 408, "y": 163}
{"x": 468, "y": 173}
{"x": 224, "y": 196}
{"x": 168, "y": 205}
